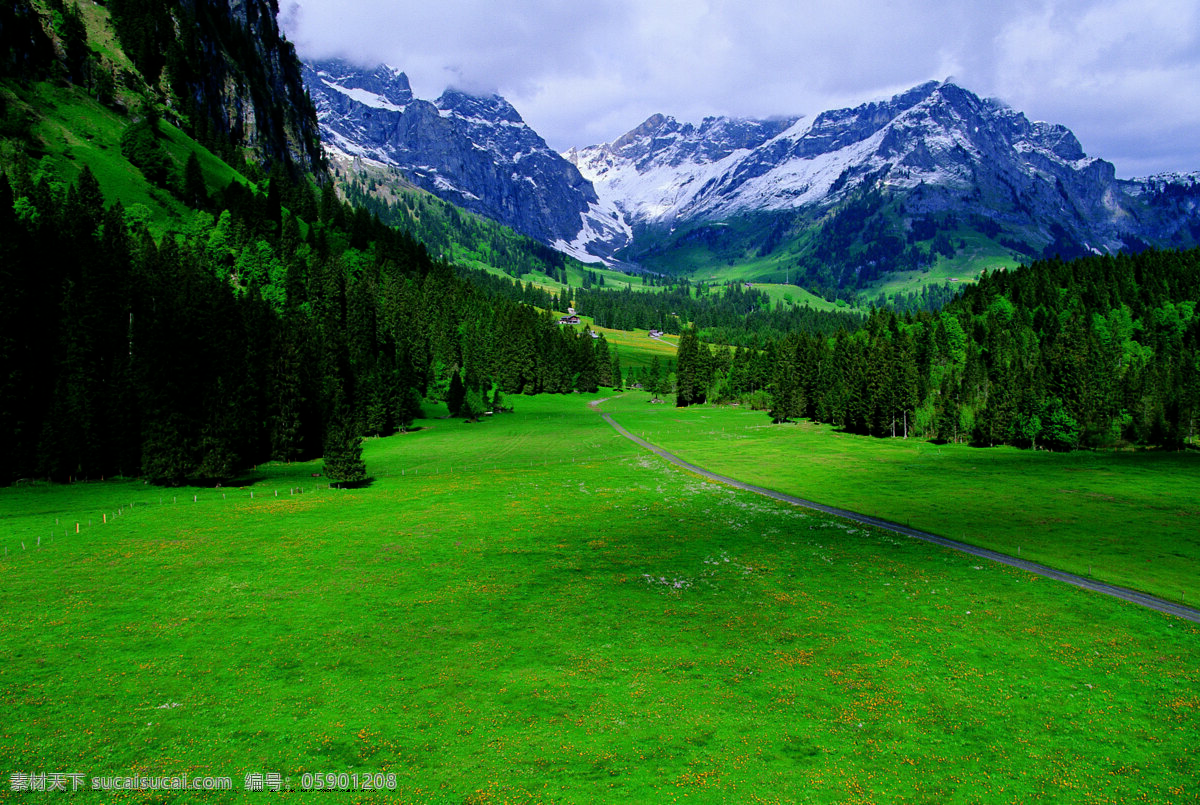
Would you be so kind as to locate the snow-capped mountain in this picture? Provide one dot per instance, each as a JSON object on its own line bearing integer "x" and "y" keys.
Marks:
{"x": 937, "y": 144}
{"x": 936, "y": 150}
{"x": 474, "y": 151}
{"x": 657, "y": 171}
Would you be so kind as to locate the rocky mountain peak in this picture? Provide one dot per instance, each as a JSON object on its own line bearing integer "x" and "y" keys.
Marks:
{"x": 381, "y": 87}
{"x": 653, "y": 125}
{"x": 472, "y": 150}
{"x": 491, "y": 109}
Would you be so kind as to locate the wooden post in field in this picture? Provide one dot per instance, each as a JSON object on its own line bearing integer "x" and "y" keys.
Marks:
{"x": 77, "y": 528}
{"x": 106, "y": 518}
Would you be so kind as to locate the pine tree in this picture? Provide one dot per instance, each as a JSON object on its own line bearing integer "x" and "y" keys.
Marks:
{"x": 343, "y": 451}
{"x": 653, "y": 378}
{"x": 472, "y": 405}
{"x": 194, "y": 192}
{"x": 456, "y": 394}
{"x": 691, "y": 387}
{"x": 75, "y": 44}
{"x": 786, "y": 394}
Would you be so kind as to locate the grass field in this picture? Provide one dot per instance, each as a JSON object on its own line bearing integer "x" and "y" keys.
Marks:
{"x": 530, "y": 610}
{"x": 637, "y": 349}
{"x": 1129, "y": 518}
{"x": 614, "y": 280}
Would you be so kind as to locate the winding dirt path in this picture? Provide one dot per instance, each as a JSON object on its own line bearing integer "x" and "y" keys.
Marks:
{"x": 1124, "y": 593}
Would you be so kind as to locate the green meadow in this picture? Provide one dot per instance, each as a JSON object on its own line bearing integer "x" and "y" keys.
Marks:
{"x": 531, "y": 609}
{"x": 978, "y": 254}
{"x": 1129, "y": 518}
{"x": 637, "y": 349}
{"x": 793, "y": 295}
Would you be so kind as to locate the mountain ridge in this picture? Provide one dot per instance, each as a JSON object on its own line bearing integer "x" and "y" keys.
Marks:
{"x": 936, "y": 150}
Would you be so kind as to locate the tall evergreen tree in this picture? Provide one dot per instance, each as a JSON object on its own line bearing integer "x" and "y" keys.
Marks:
{"x": 690, "y": 386}
{"x": 343, "y": 451}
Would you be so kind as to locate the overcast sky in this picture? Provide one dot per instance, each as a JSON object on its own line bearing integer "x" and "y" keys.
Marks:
{"x": 1124, "y": 75}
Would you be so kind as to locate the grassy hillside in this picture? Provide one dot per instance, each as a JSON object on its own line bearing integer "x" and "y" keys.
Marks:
{"x": 67, "y": 125}
{"x": 978, "y": 254}
{"x": 795, "y": 296}
{"x": 636, "y": 348}
{"x": 72, "y": 129}
{"x": 528, "y": 610}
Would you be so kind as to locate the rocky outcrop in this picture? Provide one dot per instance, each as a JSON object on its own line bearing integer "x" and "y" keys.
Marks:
{"x": 238, "y": 81}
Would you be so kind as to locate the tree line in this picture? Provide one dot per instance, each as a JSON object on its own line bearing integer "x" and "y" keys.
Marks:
{"x": 1092, "y": 352}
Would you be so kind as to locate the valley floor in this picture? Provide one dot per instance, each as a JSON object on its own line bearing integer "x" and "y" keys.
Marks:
{"x": 1125, "y": 594}
{"x": 533, "y": 609}
{"x": 1124, "y": 517}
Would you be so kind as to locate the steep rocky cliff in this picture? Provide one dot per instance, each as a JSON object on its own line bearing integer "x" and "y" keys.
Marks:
{"x": 227, "y": 72}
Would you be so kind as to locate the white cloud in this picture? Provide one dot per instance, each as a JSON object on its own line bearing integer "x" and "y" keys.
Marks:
{"x": 1123, "y": 74}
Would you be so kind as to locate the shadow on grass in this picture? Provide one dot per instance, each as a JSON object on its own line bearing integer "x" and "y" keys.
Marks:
{"x": 365, "y": 483}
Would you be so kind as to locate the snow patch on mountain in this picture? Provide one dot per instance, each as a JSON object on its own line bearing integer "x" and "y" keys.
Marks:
{"x": 603, "y": 231}
{"x": 364, "y": 97}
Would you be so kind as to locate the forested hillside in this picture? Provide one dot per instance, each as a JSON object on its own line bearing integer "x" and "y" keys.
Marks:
{"x": 445, "y": 229}
{"x": 253, "y": 336}
{"x": 1097, "y": 351}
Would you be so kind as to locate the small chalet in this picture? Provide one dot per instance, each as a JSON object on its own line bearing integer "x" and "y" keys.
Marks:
{"x": 655, "y": 333}
{"x": 571, "y": 319}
